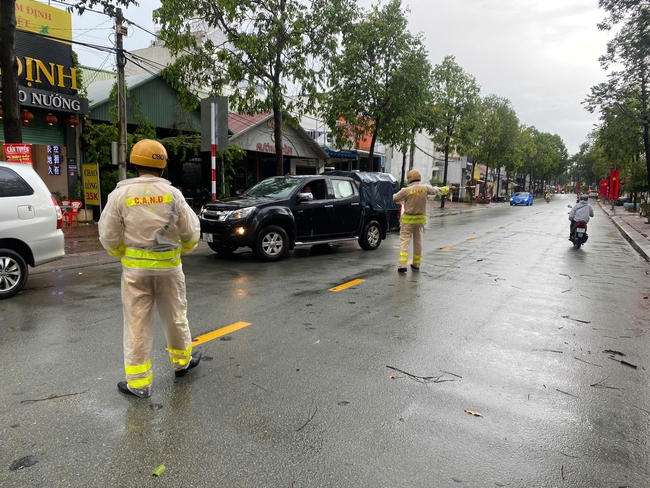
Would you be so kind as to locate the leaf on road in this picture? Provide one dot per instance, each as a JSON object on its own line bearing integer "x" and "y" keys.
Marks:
{"x": 392, "y": 377}
{"x": 472, "y": 412}
{"x": 159, "y": 470}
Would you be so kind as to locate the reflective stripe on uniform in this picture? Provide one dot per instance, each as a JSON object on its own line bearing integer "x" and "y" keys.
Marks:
{"x": 414, "y": 192}
{"x": 414, "y": 219}
{"x": 149, "y": 200}
{"x": 403, "y": 257}
{"x": 417, "y": 259}
{"x": 189, "y": 246}
{"x": 140, "y": 258}
{"x": 180, "y": 356}
{"x": 141, "y": 383}
{"x": 117, "y": 252}
{"x": 138, "y": 368}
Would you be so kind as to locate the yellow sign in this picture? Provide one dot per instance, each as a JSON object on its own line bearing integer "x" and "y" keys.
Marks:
{"x": 90, "y": 176}
{"x": 42, "y": 19}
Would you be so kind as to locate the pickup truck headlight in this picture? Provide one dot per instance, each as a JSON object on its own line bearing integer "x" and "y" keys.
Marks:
{"x": 240, "y": 214}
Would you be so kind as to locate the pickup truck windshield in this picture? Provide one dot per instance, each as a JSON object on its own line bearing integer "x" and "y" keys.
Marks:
{"x": 274, "y": 187}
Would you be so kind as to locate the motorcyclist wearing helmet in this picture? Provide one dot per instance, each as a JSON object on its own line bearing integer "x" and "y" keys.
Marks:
{"x": 581, "y": 212}
{"x": 148, "y": 224}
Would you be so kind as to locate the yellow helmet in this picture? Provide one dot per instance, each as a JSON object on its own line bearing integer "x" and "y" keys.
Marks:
{"x": 150, "y": 153}
{"x": 413, "y": 175}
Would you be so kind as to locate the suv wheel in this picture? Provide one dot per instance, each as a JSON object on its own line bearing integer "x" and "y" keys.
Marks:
{"x": 13, "y": 273}
{"x": 271, "y": 244}
{"x": 371, "y": 236}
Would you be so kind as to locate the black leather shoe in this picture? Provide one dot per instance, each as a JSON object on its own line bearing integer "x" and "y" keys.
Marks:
{"x": 401, "y": 270}
{"x": 415, "y": 268}
{"x": 194, "y": 362}
{"x": 121, "y": 386}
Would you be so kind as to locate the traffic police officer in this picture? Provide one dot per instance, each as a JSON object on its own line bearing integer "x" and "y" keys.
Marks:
{"x": 414, "y": 217}
{"x": 148, "y": 224}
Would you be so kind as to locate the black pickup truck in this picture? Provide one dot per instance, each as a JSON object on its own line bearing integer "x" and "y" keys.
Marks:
{"x": 284, "y": 212}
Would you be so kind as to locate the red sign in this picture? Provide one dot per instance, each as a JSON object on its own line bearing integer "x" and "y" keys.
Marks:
{"x": 19, "y": 153}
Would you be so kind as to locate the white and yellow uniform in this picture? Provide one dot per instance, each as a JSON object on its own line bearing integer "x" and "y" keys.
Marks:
{"x": 414, "y": 216}
{"x": 148, "y": 224}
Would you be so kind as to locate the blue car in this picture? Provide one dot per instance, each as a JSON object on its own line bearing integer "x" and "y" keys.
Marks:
{"x": 521, "y": 198}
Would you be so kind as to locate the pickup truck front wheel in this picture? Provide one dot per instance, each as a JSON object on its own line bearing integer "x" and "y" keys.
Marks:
{"x": 370, "y": 238}
{"x": 271, "y": 244}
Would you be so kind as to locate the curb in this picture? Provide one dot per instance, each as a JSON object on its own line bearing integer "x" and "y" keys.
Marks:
{"x": 638, "y": 242}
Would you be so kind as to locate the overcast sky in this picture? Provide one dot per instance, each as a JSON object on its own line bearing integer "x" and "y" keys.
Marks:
{"x": 540, "y": 54}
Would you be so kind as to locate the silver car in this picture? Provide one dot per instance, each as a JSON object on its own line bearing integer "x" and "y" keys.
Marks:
{"x": 30, "y": 226}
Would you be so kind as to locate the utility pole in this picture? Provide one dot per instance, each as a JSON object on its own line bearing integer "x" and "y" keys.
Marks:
{"x": 120, "y": 31}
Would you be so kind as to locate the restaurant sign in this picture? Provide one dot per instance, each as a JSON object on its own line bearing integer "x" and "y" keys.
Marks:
{"x": 47, "y": 100}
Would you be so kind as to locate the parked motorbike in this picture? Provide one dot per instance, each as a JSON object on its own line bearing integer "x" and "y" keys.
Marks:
{"x": 579, "y": 234}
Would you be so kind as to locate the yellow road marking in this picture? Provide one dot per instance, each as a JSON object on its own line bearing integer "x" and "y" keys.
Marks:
{"x": 346, "y": 285}
{"x": 448, "y": 248}
{"x": 471, "y": 239}
{"x": 219, "y": 332}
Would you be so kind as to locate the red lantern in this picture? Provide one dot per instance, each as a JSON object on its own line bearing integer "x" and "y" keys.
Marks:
{"x": 72, "y": 121}
{"x": 26, "y": 116}
{"x": 50, "y": 119}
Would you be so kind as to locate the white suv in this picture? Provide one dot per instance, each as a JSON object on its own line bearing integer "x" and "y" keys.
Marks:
{"x": 30, "y": 226}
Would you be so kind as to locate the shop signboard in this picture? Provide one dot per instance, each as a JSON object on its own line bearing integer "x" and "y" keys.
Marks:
{"x": 18, "y": 153}
{"x": 90, "y": 173}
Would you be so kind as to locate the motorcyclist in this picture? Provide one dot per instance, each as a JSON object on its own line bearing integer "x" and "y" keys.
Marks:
{"x": 581, "y": 212}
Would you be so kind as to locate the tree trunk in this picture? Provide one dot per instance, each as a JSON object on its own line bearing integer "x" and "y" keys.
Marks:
{"x": 277, "y": 134}
{"x": 646, "y": 148}
{"x": 412, "y": 155}
{"x": 444, "y": 174}
{"x": 371, "y": 156}
{"x": 13, "y": 132}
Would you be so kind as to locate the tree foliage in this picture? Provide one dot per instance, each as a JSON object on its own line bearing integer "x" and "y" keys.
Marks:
{"x": 497, "y": 130}
{"x": 379, "y": 82}
{"x": 452, "y": 114}
{"x": 268, "y": 47}
{"x": 627, "y": 90}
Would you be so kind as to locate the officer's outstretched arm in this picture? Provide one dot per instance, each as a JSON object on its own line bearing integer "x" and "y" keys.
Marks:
{"x": 189, "y": 228}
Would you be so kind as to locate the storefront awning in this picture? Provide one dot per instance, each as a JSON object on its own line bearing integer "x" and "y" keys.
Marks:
{"x": 340, "y": 154}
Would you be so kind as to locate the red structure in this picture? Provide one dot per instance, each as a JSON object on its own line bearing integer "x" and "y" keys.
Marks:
{"x": 614, "y": 176}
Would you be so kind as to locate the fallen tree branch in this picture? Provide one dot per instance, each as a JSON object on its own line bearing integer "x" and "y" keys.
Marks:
{"x": 421, "y": 379}
{"x": 593, "y": 364}
{"x": 576, "y": 320}
{"x": 309, "y": 418}
{"x": 52, "y": 397}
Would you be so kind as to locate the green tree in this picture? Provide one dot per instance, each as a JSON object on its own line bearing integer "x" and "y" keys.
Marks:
{"x": 269, "y": 48}
{"x": 453, "y": 112}
{"x": 628, "y": 61}
{"x": 379, "y": 82}
{"x": 496, "y": 133}
{"x": 12, "y": 125}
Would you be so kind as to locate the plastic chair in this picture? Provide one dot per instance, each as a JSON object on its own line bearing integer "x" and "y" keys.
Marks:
{"x": 64, "y": 211}
{"x": 74, "y": 211}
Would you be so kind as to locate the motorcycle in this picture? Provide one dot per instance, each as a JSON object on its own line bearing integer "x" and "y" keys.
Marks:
{"x": 579, "y": 234}
{"x": 548, "y": 198}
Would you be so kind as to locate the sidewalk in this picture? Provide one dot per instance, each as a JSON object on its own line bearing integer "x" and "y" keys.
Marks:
{"x": 632, "y": 226}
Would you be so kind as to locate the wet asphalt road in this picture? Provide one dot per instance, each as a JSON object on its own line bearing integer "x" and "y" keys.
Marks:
{"x": 505, "y": 319}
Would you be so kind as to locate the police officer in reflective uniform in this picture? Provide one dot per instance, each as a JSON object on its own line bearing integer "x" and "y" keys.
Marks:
{"x": 414, "y": 217}
{"x": 148, "y": 224}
